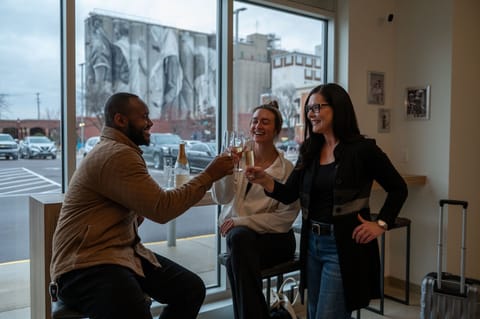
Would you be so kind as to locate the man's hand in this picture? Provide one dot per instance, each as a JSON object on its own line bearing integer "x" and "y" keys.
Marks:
{"x": 220, "y": 166}
{"x": 367, "y": 231}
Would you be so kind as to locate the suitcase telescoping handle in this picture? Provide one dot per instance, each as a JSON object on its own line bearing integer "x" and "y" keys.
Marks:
{"x": 454, "y": 202}
{"x": 464, "y": 204}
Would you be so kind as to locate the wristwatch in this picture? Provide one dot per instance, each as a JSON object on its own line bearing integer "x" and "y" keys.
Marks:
{"x": 382, "y": 224}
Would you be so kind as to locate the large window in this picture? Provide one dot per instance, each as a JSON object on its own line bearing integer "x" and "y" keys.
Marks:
{"x": 281, "y": 35}
{"x": 165, "y": 52}
{"x": 30, "y": 135}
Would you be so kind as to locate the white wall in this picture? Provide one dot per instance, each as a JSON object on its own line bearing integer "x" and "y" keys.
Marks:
{"x": 429, "y": 42}
{"x": 423, "y": 46}
{"x": 464, "y": 175}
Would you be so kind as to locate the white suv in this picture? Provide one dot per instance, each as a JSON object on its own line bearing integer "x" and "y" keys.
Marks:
{"x": 38, "y": 147}
{"x": 89, "y": 144}
{"x": 8, "y": 147}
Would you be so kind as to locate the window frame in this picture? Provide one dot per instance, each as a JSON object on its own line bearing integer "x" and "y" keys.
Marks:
{"x": 298, "y": 59}
{"x": 308, "y": 61}
{"x": 308, "y": 74}
{"x": 277, "y": 62}
{"x": 289, "y": 60}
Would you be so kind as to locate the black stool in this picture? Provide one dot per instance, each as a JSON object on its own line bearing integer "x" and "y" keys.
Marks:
{"x": 61, "y": 311}
{"x": 275, "y": 271}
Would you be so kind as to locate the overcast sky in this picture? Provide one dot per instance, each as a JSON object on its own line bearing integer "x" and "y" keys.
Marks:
{"x": 30, "y": 40}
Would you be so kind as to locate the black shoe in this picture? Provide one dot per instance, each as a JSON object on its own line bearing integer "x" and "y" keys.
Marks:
{"x": 279, "y": 313}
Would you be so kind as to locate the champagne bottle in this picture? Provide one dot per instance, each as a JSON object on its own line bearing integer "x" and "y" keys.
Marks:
{"x": 182, "y": 169}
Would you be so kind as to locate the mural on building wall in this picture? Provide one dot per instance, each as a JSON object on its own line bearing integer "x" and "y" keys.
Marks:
{"x": 172, "y": 70}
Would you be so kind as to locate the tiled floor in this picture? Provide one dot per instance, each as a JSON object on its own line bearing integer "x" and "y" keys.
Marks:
{"x": 393, "y": 309}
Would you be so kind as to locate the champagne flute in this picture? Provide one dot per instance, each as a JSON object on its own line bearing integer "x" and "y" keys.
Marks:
{"x": 249, "y": 155}
{"x": 226, "y": 141}
{"x": 237, "y": 142}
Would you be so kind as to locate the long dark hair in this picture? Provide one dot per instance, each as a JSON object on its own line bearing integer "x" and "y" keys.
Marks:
{"x": 344, "y": 121}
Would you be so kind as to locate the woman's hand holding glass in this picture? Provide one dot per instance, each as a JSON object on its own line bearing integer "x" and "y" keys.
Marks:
{"x": 256, "y": 175}
{"x": 227, "y": 225}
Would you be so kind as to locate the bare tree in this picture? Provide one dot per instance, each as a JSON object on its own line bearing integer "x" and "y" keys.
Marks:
{"x": 52, "y": 114}
{"x": 95, "y": 100}
{"x": 4, "y": 106}
{"x": 286, "y": 96}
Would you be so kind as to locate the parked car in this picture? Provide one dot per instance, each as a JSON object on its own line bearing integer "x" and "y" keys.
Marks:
{"x": 189, "y": 143}
{"x": 161, "y": 145}
{"x": 286, "y": 145}
{"x": 290, "y": 148}
{"x": 8, "y": 147}
{"x": 89, "y": 144}
{"x": 200, "y": 155}
{"x": 38, "y": 147}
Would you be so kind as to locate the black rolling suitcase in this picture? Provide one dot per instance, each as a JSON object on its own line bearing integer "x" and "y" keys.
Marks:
{"x": 446, "y": 296}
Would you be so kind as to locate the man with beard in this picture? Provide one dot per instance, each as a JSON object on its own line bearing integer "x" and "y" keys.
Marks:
{"x": 98, "y": 262}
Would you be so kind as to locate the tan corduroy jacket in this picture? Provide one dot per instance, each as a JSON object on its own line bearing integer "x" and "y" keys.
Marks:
{"x": 98, "y": 219}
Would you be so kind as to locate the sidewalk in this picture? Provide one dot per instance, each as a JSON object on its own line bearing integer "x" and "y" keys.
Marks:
{"x": 198, "y": 254}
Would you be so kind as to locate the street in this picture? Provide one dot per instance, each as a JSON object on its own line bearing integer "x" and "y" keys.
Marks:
{"x": 20, "y": 178}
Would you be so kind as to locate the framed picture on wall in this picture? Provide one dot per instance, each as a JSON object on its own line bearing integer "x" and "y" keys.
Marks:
{"x": 375, "y": 88}
{"x": 384, "y": 120}
{"x": 417, "y": 103}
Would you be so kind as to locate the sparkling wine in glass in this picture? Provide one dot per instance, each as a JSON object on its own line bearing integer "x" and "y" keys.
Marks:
{"x": 237, "y": 149}
{"x": 249, "y": 158}
{"x": 237, "y": 143}
{"x": 248, "y": 150}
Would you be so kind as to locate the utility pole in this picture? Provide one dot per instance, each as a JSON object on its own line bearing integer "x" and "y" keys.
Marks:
{"x": 82, "y": 110}
{"x": 38, "y": 105}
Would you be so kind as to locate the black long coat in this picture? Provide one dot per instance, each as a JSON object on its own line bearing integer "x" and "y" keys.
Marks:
{"x": 358, "y": 164}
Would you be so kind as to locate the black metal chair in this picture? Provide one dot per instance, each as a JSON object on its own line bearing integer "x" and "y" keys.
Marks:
{"x": 61, "y": 311}
{"x": 275, "y": 271}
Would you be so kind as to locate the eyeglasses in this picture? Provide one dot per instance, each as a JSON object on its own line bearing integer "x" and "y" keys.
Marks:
{"x": 315, "y": 108}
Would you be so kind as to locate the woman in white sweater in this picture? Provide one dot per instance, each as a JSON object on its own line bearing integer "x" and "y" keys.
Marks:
{"x": 258, "y": 229}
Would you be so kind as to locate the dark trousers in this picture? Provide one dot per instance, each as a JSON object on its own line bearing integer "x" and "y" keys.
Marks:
{"x": 251, "y": 252}
{"x": 116, "y": 292}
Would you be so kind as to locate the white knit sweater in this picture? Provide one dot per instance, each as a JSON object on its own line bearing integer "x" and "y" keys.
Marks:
{"x": 256, "y": 210}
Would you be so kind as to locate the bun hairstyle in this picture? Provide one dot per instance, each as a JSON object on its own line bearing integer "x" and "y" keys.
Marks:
{"x": 273, "y": 103}
{"x": 272, "y": 106}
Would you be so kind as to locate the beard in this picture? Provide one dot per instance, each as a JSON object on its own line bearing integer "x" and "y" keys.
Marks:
{"x": 136, "y": 135}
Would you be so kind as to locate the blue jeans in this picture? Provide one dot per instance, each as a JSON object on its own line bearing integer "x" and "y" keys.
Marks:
{"x": 325, "y": 297}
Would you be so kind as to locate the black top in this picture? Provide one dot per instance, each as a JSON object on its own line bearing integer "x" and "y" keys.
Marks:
{"x": 321, "y": 208}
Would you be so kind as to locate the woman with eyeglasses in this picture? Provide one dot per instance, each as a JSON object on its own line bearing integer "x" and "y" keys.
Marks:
{"x": 258, "y": 228}
{"x": 340, "y": 264}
